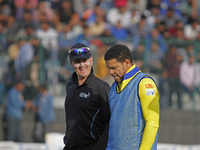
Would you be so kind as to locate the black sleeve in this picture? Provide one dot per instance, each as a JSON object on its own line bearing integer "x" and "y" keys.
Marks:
{"x": 102, "y": 143}
{"x": 105, "y": 115}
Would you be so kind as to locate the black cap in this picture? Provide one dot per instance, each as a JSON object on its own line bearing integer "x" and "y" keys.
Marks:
{"x": 86, "y": 55}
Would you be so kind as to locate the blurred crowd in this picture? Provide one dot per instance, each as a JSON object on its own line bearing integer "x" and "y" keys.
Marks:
{"x": 163, "y": 35}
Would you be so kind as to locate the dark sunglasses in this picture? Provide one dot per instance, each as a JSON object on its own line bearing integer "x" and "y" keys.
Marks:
{"x": 77, "y": 51}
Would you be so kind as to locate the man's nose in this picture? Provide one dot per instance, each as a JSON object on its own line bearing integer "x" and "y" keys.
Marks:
{"x": 81, "y": 64}
{"x": 111, "y": 71}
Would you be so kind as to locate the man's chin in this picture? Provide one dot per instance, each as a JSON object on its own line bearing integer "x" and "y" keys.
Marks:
{"x": 118, "y": 80}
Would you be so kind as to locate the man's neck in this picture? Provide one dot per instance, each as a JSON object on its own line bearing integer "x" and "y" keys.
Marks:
{"x": 81, "y": 81}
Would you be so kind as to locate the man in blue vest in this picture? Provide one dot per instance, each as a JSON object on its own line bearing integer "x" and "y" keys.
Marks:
{"x": 134, "y": 103}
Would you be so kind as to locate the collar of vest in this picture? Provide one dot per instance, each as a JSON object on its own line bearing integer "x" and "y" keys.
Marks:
{"x": 130, "y": 74}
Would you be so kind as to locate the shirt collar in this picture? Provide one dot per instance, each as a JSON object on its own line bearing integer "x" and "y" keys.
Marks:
{"x": 130, "y": 74}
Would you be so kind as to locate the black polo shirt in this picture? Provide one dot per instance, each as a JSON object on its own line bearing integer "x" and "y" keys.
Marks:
{"x": 87, "y": 113}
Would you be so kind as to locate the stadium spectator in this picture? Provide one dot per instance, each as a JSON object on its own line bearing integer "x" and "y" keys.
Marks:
{"x": 171, "y": 63}
{"x": 119, "y": 13}
{"x": 13, "y": 51}
{"x": 189, "y": 9}
{"x": 191, "y": 29}
{"x": 27, "y": 20}
{"x": 135, "y": 17}
{"x": 84, "y": 37}
{"x": 164, "y": 89}
{"x": 198, "y": 47}
{"x": 14, "y": 112}
{"x": 11, "y": 29}
{"x": 5, "y": 8}
{"x": 27, "y": 32}
{"x": 176, "y": 27}
{"x": 66, "y": 11}
{"x": 154, "y": 16}
{"x": 96, "y": 21}
{"x": 56, "y": 23}
{"x": 170, "y": 4}
{"x": 71, "y": 33}
{"x": 22, "y": 6}
{"x": 140, "y": 5}
{"x": 196, "y": 6}
{"x": 179, "y": 36}
{"x": 153, "y": 3}
{"x": 170, "y": 19}
{"x": 83, "y": 8}
{"x": 154, "y": 58}
{"x": 22, "y": 63}
{"x": 96, "y": 11}
{"x": 33, "y": 50}
{"x": 45, "y": 115}
{"x": 187, "y": 75}
{"x": 119, "y": 32}
{"x": 139, "y": 31}
{"x": 98, "y": 27}
{"x": 197, "y": 75}
{"x": 139, "y": 56}
{"x": 44, "y": 9}
{"x": 186, "y": 51}
{"x": 48, "y": 37}
{"x": 155, "y": 35}
{"x": 3, "y": 38}
{"x": 163, "y": 30}
{"x": 100, "y": 68}
{"x": 105, "y": 4}
{"x": 7, "y": 81}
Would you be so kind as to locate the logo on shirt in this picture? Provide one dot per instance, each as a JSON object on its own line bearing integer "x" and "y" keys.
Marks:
{"x": 149, "y": 85}
{"x": 150, "y": 92}
{"x": 84, "y": 95}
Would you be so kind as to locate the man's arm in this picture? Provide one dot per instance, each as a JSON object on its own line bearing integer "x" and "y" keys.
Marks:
{"x": 105, "y": 115}
{"x": 149, "y": 98}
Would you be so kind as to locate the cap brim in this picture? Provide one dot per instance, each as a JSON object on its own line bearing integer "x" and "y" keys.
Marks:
{"x": 83, "y": 56}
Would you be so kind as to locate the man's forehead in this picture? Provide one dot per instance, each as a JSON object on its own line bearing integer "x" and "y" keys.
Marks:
{"x": 112, "y": 62}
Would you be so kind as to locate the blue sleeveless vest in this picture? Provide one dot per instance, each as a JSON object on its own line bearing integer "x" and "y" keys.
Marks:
{"x": 126, "y": 122}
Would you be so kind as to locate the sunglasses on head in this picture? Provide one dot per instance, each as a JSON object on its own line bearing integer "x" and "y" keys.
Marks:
{"x": 76, "y": 51}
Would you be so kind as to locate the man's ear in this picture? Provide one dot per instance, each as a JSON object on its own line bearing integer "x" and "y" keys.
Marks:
{"x": 91, "y": 60}
{"x": 127, "y": 61}
{"x": 127, "y": 64}
{"x": 71, "y": 64}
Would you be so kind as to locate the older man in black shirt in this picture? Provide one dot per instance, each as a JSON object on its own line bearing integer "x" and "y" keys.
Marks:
{"x": 86, "y": 104}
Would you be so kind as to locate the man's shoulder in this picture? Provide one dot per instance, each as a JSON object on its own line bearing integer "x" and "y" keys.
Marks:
{"x": 70, "y": 84}
{"x": 100, "y": 82}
